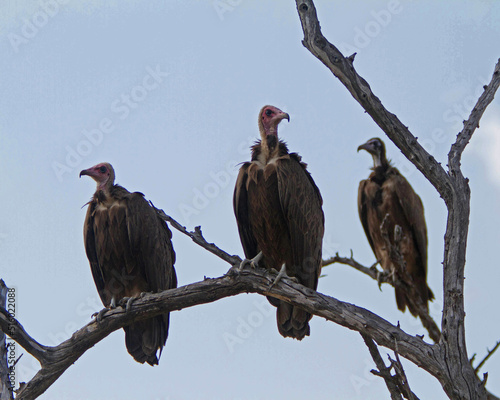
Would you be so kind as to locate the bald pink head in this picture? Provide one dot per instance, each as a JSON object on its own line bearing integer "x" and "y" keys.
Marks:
{"x": 269, "y": 119}
{"x": 102, "y": 173}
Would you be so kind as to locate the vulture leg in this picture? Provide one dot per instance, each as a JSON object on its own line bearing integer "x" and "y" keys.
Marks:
{"x": 98, "y": 315}
{"x": 282, "y": 274}
{"x": 380, "y": 279}
{"x": 254, "y": 262}
{"x": 128, "y": 301}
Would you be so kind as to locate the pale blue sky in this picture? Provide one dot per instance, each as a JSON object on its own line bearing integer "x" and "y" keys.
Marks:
{"x": 175, "y": 90}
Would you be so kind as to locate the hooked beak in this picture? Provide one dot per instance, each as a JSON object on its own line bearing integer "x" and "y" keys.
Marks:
{"x": 85, "y": 172}
{"x": 364, "y": 146}
{"x": 280, "y": 117}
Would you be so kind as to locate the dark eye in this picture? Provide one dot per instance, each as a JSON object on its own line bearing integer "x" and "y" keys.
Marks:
{"x": 102, "y": 169}
{"x": 269, "y": 113}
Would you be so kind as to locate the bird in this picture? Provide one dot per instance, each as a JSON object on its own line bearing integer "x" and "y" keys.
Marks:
{"x": 130, "y": 252}
{"x": 386, "y": 198}
{"x": 278, "y": 210}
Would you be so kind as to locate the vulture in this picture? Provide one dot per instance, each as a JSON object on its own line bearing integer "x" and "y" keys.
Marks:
{"x": 387, "y": 198}
{"x": 130, "y": 252}
{"x": 278, "y": 209}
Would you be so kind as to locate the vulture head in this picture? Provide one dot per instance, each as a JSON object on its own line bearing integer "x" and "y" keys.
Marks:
{"x": 269, "y": 118}
{"x": 376, "y": 148}
{"x": 102, "y": 173}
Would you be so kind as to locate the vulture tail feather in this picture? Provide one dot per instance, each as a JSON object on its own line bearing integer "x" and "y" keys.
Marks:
{"x": 144, "y": 338}
{"x": 293, "y": 321}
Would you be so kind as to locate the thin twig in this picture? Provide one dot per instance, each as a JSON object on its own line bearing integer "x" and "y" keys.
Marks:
{"x": 383, "y": 371}
{"x": 404, "y": 385}
{"x": 198, "y": 238}
{"x": 372, "y": 271}
{"x": 472, "y": 122}
{"x": 395, "y": 281}
{"x": 488, "y": 355}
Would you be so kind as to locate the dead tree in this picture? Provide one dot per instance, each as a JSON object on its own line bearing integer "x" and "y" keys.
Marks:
{"x": 457, "y": 375}
{"x": 447, "y": 360}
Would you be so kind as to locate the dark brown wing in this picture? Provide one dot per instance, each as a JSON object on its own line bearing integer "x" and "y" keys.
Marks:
{"x": 151, "y": 244}
{"x": 363, "y": 204}
{"x": 413, "y": 209}
{"x": 240, "y": 206}
{"x": 90, "y": 249}
{"x": 301, "y": 205}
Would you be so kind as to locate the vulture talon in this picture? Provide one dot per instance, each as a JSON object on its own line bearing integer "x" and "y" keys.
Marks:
{"x": 98, "y": 315}
{"x": 380, "y": 279}
{"x": 281, "y": 274}
{"x": 254, "y": 262}
{"x": 112, "y": 304}
{"x": 129, "y": 303}
{"x": 243, "y": 264}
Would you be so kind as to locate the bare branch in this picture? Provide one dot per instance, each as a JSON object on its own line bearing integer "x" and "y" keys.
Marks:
{"x": 198, "y": 238}
{"x": 372, "y": 271}
{"x": 396, "y": 282}
{"x": 55, "y": 360}
{"x": 401, "y": 378}
{"x": 16, "y": 331}
{"x": 488, "y": 355}
{"x": 383, "y": 371}
{"x": 343, "y": 69}
{"x": 472, "y": 123}
{"x": 455, "y": 246}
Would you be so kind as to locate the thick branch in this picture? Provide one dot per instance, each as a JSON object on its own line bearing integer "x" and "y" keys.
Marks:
{"x": 55, "y": 360}
{"x": 453, "y": 321}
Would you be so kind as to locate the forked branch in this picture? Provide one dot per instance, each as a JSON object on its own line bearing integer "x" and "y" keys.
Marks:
{"x": 489, "y": 353}
{"x": 394, "y": 281}
{"x": 383, "y": 371}
{"x": 461, "y": 382}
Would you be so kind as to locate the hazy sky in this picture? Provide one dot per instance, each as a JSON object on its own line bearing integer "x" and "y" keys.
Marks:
{"x": 168, "y": 92}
